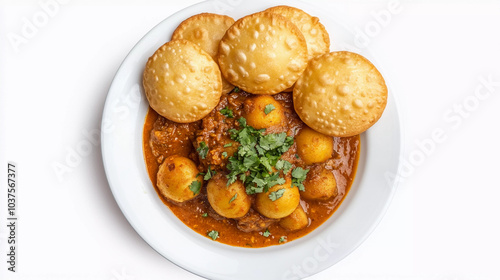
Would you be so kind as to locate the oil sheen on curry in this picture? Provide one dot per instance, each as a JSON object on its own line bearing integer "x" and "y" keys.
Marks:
{"x": 257, "y": 175}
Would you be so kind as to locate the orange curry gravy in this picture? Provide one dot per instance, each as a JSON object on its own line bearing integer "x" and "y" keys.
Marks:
{"x": 163, "y": 138}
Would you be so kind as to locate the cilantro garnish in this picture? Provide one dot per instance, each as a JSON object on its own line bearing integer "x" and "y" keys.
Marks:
{"x": 269, "y": 108}
{"x": 224, "y": 154}
{"x": 195, "y": 187}
{"x": 280, "y": 164}
{"x": 202, "y": 149}
{"x": 282, "y": 239}
{"x": 228, "y": 145}
{"x": 227, "y": 112}
{"x": 276, "y": 141}
{"x": 297, "y": 156}
{"x": 298, "y": 177}
{"x": 236, "y": 89}
{"x": 204, "y": 215}
{"x": 233, "y": 198}
{"x": 256, "y": 156}
{"x": 283, "y": 165}
{"x": 210, "y": 173}
{"x": 277, "y": 194}
{"x": 213, "y": 234}
{"x": 266, "y": 233}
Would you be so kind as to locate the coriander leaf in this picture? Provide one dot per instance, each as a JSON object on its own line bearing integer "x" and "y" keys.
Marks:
{"x": 277, "y": 194}
{"x": 283, "y": 165}
{"x": 202, "y": 149}
{"x": 280, "y": 164}
{"x": 297, "y": 156}
{"x": 266, "y": 233}
{"x": 259, "y": 182}
{"x": 287, "y": 167}
{"x": 288, "y": 143}
{"x": 279, "y": 181}
{"x": 299, "y": 173}
{"x": 233, "y": 198}
{"x": 233, "y": 133}
{"x": 231, "y": 179}
{"x": 243, "y": 177}
{"x": 228, "y": 145}
{"x": 242, "y": 121}
{"x": 249, "y": 161}
{"x": 260, "y": 150}
{"x": 269, "y": 108}
{"x": 227, "y": 112}
{"x": 224, "y": 154}
{"x": 272, "y": 141}
{"x": 195, "y": 187}
{"x": 273, "y": 180}
{"x": 204, "y": 215}
{"x": 266, "y": 163}
{"x": 255, "y": 159}
{"x": 251, "y": 189}
{"x": 213, "y": 234}
{"x": 282, "y": 239}
{"x": 236, "y": 89}
{"x": 245, "y": 137}
{"x": 277, "y": 143}
{"x": 298, "y": 177}
{"x": 210, "y": 173}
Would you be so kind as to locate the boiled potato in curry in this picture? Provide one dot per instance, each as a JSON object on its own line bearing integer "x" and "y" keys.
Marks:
{"x": 295, "y": 221}
{"x": 228, "y": 201}
{"x": 263, "y": 111}
{"x": 320, "y": 185}
{"x": 256, "y": 166}
{"x": 176, "y": 178}
{"x": 314, "y": 147}
{"x": 279, "y": 201}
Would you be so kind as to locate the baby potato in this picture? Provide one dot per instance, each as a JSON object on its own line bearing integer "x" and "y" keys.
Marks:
{"x": 175, "y": 176}
{"x": 295, "y": 221}
{"x": 320, "y": 184}
{"x": 280, "y": 207}
{"x": 255, "y": 109}
{"x": 313, "y": 147}
{"x": 228, "y": 201}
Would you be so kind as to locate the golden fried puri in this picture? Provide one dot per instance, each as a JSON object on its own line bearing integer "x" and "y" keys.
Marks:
{"x": 263, "y": 53}
{"x": 317, "y": 38}
{"x": 340, "y": 94}
{"x": 182, "y": 82}
{"x": 205, "y": 30}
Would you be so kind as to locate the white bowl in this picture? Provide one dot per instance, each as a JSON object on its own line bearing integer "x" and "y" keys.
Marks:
{"x": 355, "y": 219}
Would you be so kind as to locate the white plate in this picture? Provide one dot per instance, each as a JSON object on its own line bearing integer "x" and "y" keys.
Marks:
{"x": 122, "y": 124}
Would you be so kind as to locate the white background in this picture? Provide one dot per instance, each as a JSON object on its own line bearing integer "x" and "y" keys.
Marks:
{"x": 443, "y": 223}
